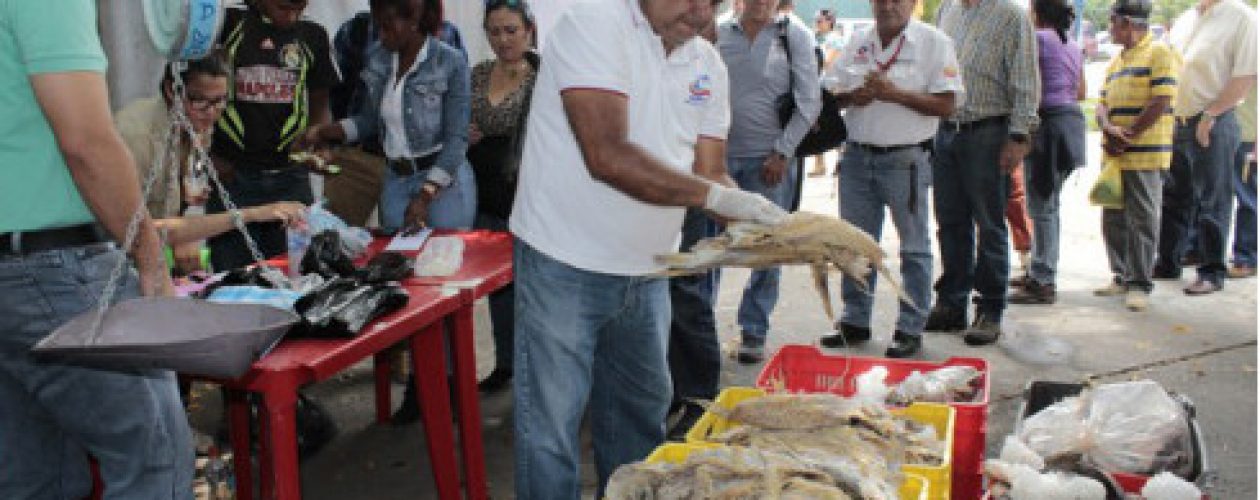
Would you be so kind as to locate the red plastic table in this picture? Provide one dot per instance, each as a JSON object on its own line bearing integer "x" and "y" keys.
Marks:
{"x": 437, "y": 307}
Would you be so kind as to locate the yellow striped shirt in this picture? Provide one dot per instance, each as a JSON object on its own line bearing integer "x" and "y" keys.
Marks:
{"x": 1136, "y": 76}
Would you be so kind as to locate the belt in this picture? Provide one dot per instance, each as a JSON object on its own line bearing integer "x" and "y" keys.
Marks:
{"x": 975, "y": 124}
{"x": 29, "y": 242}
{"x": 879, "y": 150}
{"x": 411, "y": 166}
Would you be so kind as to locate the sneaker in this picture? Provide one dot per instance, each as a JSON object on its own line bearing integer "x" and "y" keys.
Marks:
{"x": 750, "y": 355}
{"x": 1238, "y": 272}
{"x": 846, "y": 336}
{"x": 1033, "y": 293}
{"x": 904, "y": 345}
{"x": 1202, "y": 287}
{"x": 1136, "y": 300}
{"x": 1020, "y": 281}
{"x": 984, "y": 331}
{"x": 946, "y": 319}
{"x": 1112, "y": 290}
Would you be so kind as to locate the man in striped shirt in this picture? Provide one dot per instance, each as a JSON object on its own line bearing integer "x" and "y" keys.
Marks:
{"x": 1135, "y": 115}
{"x": 976, "y": 149}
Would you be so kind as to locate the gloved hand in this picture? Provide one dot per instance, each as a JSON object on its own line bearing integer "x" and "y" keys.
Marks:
{"x": 737, "y": 204}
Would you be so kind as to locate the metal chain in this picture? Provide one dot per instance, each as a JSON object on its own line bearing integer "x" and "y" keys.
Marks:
{"x": 168, "y": 161}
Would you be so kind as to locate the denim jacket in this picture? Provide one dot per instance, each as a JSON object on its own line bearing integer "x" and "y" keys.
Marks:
{"x": 436, "y": 105}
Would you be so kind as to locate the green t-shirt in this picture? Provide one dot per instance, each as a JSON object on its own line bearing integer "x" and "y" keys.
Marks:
{"x": 1247, "y": 117}
{"x": 36, "y": 191}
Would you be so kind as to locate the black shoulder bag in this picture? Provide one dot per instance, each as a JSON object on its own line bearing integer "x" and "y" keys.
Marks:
{"x": 829, "y": 131}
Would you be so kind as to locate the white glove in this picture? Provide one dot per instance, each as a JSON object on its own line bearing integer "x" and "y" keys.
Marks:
{"x": 737, "y": 204}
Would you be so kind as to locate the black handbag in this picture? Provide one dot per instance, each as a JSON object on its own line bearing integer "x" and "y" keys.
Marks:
{"x": 829, "y": 131}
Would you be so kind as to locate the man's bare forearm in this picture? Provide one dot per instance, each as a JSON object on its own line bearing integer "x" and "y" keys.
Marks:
{"x": 1150, "y": 114}
{"x": 1235, "y": 91}
{"x": 635, "y": 172}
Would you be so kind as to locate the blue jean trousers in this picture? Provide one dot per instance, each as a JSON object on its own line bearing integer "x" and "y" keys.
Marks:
{"x": 695, "y": 354}
{"x": 52, "y": 416}
{"x": 898, "y": 180}
{"x": 762, "y": 291}
{"x": 1198, "y": 198}
{"x": 584, "y": 337}
{"x": 1043, "y": 209}
{"x": 251, "y": 186}
{"x": 969, "y": 195}
{"x": 1245, "y": 214}
{"x": 454, "y": 208}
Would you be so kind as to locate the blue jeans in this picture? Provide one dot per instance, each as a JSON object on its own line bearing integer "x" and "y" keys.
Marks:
{"x": 762, "y": 291}
{"x": 454, "y": 208}
{"x": 585, "y": 337}
{"x": 1198, "y": 194}
{"x": 52, "y": 416}
{"x": 1043, "y": 209}
{"x": 898, "y": 180}
{"x": 1245, "y": 216}
{"x": 695, "y": 354}
{"x": 250, "y": 186}
{"x": 502, "y": 305}
{"x": 969, "y": 195}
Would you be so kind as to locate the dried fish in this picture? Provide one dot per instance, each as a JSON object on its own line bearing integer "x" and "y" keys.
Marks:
{"x": 802, "y": 238}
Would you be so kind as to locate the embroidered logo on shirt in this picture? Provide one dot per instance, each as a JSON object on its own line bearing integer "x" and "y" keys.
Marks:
{"x": 700, "y": 91}
{"x": 291, "y": 55}
{"x": 950, "y": 72}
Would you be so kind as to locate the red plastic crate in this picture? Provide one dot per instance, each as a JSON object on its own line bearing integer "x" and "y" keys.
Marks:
{"x": 805, "y": 368}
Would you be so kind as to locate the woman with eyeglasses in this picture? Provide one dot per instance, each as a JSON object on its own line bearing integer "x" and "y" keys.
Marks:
{"x": 501, "y": 91}
{"x": 175, "y": 204}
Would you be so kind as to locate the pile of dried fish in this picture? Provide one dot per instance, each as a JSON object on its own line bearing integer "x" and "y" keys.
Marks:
{"x": 866, "y": 434}
{"x": 802, "y": 238}
{"x": 732, "y": 473}
{"x": 792, "y": 446}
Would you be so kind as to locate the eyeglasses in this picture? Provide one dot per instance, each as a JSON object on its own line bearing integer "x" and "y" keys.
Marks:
{"x": 205, "y": 103}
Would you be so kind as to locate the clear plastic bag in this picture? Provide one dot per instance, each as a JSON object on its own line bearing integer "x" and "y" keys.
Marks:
{"x": 1132, "y": 425}
{"x": 1167, "y": 486}
{"x": 945, "y": 385}
{"x": 354, "y": 240}
{"x": 442, "y": 256}
{"x": 1058, "y": 429}
{"x": 871, "y": 386}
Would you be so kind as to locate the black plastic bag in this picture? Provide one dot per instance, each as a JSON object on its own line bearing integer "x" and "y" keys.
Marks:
{"x": 343, "y": 306}
{"x": 326, "y": 257}
{"x": 386, "y": 267}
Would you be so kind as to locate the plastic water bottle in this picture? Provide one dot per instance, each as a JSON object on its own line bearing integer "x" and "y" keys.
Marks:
{"x": 299, "y": 238}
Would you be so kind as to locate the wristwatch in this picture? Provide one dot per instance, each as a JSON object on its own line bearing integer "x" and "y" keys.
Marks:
{"x": 1019, "y": 137}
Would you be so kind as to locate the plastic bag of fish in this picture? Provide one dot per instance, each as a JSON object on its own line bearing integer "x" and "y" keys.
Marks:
{"x": 951, "y": 384}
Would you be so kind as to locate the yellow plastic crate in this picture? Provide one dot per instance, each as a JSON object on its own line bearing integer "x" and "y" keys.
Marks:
{"x": 940, "y": 417}
{"x": 913, "y": 488}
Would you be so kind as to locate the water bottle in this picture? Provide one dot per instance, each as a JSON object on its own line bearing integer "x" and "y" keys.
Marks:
{"x": 298, "y": 236}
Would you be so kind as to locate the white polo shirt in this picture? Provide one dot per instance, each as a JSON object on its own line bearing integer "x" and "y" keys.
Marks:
{"x": 561, "y": 210}
{"x": 1215, "y": 46}
{"x": 925, "y": 63}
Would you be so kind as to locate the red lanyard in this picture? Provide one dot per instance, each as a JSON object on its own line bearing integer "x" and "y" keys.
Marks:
{"x": 883, "y": 67}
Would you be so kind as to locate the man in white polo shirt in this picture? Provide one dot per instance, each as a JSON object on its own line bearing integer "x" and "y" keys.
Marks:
{"x": 1217, "y": 42}
{"x": 898, "y": 80}
{"x": 628, "y": 126}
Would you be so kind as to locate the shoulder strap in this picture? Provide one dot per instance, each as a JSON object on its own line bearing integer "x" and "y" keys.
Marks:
{"x": 782, "y": 26}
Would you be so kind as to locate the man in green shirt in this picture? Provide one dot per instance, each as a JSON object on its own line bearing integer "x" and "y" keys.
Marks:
{"x": 67, "y": 187}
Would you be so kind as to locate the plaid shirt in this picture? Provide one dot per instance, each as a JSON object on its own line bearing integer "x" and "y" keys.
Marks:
{"x": 1144, "y": 72}
{"x": 997, "y": 49}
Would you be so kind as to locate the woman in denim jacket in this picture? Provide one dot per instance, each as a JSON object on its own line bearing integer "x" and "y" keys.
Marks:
{"x": 419, "y": 90}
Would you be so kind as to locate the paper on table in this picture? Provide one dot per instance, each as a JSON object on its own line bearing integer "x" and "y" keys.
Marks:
{"x": 411, "y": 243}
